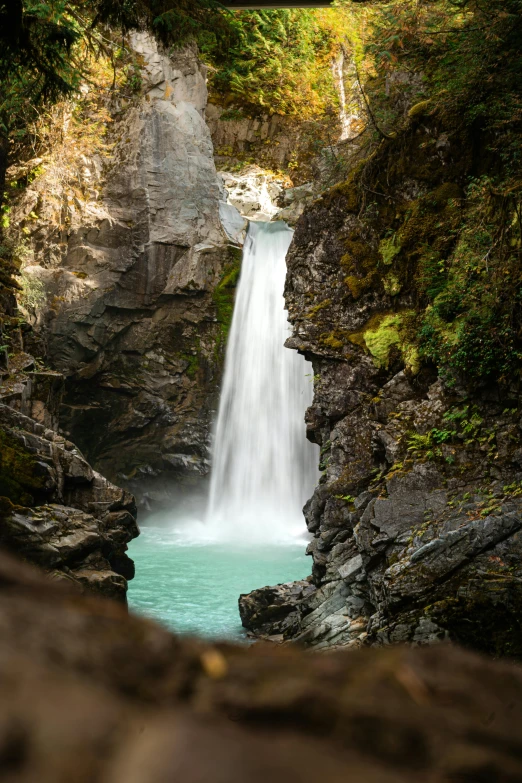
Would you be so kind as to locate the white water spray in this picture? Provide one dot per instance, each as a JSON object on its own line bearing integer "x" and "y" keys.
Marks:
{"x": 263, "y": 468}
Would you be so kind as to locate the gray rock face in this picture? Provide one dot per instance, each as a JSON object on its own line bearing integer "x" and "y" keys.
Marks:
{"x": 57, "y": 512}
{"x": 130, "y": 315}
{"x": 417, "y": 516}
{"x": 272, "y": 141}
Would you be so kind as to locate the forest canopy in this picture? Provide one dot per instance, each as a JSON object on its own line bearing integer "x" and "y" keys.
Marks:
{"x": 461, "y": 58}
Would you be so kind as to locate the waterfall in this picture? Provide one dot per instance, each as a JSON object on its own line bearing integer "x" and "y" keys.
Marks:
{"x": 338, "y": 70}
{"x": 263, "y": 468}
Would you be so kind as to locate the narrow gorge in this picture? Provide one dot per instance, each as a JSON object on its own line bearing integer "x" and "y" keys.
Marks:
{"x": 248, "y": 527}
{"x": 260, "y": 390}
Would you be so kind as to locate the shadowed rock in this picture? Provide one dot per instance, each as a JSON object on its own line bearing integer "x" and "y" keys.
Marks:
{"x": 57, "y": 512}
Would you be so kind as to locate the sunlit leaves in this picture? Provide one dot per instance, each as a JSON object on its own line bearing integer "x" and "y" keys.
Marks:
{"x": 280, "y": 59}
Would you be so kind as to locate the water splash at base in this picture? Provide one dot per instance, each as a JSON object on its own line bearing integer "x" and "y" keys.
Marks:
{"x": 263, "y": 468}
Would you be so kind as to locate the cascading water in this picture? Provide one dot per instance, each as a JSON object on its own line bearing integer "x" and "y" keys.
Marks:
{"x": 263, "y": 469}
{"x": 350, "y": 121}
{"x": 338, "y": 71}
{"x": 191, "y": 570}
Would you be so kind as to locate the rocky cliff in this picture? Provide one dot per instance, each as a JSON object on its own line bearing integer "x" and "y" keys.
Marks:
{"x": 131, "y": 249}
{"x": 416, "y": 519}
{"x": 55, "y": 510}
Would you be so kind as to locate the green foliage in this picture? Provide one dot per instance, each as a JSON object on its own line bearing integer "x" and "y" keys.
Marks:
{"x": 513, "y": 490}
{"x": 46, "y": 45}
{"x": 12, "y": 256}
{"x": 32, "y": 294}
{"x": 457, "y": 249}
{"x": 418, "y": 442}
{"x": 36, "y": 59}
{"x": 473, "y": 323}
{"x": 276, "y": 59}
{"x": 347, "y": 498}
{"x": 464, "y": 424}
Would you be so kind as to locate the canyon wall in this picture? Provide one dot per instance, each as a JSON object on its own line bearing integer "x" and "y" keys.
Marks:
{"x": 55, "y": 510}
{"x": 416, "y": 521}
{"x": 130, "y": 266}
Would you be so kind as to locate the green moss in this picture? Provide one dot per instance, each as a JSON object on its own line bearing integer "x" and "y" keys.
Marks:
{"x": 20, "y": 474}
{"x": 389, "y": 248}
{"x": 224, "y": 294}
{"x": 383, "y": 332}
{"x": 380, "y": 339}
{"x": 430, "y": 221}
{"x": 193, "y": 362}
{"x": 331, "y": 340}
{"x": 348, "y": 190}
{"x": 314, "y": 310}
{"x": 420, "y": 109}
{"x": 392, "y": 284}
{"x": 358, "y": 286}
{"x": 359, "y": 255}
{"x": 361, "y": 262}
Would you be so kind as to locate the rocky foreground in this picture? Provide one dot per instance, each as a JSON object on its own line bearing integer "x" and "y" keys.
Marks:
{"x": 94, "y": 695}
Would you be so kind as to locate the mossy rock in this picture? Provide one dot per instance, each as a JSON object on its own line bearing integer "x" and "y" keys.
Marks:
{"x": 348, "y": 190}
{"x": 358, "y": 286}
{"x": 224, "y": 294}
{"x": 385, "y": 334}
{"x": 20, "y": 473}
{"x": 389, "y": 248}
{"x": 392, "y": 284}
{"x": 317, "y": 308}
{"x": 331, "y": 340}
{"x": 420, "y": 109}
{"x": 380, "y": 338}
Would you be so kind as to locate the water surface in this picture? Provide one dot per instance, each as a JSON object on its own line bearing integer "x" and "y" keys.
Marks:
{"x": 193, "y": 587}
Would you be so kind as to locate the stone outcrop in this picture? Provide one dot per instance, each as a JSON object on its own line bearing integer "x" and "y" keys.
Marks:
{"x": 270, "y": 611}
{"x": 94, "y": 695}
{"x": 416, "y": 521}
{"x": 55, "y": 510}
{"x": 274, "y": 142}
{"x": 128, "y": 309}
{"x": 254, "y": 192}
{"x": 259, "y": 194}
